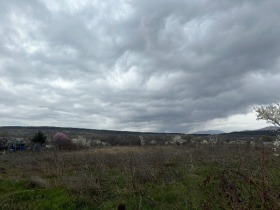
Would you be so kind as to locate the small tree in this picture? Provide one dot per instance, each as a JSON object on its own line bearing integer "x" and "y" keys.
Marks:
{"x": 39, "y": 138}
{"x": 62, "y": 141}
{"x": 270, "y": 113}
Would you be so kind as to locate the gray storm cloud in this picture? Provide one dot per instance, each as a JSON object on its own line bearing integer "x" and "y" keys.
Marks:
{"x": 134, "y": 64}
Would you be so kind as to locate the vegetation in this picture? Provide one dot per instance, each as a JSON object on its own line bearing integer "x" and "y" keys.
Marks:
{"x": 61, "y": 141}
{"x": 160, "y": 177}
{"x": 270, "y": 113}
{"x": 39, "y": 138}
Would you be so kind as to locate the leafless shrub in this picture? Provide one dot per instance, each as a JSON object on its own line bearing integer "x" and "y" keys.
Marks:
{"x": 235, "y": 170}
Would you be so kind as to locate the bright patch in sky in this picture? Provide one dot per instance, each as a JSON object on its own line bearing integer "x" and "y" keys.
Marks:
{"x": 238, "y": 122}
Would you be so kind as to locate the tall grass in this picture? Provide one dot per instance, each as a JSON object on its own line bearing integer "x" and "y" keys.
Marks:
{"x": 166, "y": 177}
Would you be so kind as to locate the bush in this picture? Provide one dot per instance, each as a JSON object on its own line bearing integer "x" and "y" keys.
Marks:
{"x": 61, "y": 141}
{"x": 39, "y": 138}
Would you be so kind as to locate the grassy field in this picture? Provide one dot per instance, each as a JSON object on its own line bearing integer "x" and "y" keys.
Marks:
{"x": 166, "y": 177}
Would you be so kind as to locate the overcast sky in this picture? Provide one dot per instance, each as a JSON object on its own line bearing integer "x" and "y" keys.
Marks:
{"x": 139, "y": 65}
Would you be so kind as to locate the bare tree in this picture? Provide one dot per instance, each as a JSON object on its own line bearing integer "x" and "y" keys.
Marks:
{"x": 270, "y": 113}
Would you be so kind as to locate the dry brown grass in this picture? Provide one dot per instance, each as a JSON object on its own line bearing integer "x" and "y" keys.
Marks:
{"x": 105, "y": 173}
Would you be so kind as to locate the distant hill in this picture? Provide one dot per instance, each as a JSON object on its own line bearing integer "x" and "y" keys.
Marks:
{"x": 91, "y": 136}
{"x": 269, "y": 128}
{"x": 50, "y": 129}
{"x": 29, "y": 131}
{"x": 210, "y": 132}
{"x": 270, "y": 131}
{"x": 254, "y": 133}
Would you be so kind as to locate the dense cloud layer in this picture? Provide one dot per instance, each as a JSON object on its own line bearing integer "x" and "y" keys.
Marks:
{"x": 136, "y": 65}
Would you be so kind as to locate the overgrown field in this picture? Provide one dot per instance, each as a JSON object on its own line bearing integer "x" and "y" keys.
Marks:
{"x": 166, "y": 177}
